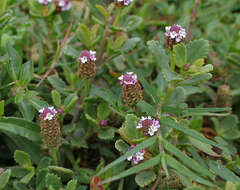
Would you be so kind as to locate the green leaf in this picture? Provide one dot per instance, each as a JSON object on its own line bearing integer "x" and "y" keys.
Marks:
{"x": 15, "y": 62}
{"x": 196, "y": 79}
{"x": 132, "y": 22}
{"x": 22, "y": 158}
{"x": 19, "y": 186}
{"x": 231, "y": 186}
{"x": 21, "y": 127}
{"x": 145, "y": 178}
{"x": 72, "y": 185}
{"x": 190, "y": 132}
{"x": 40, "y": 179}
{"x": 103, "y": 110}
{"x": 197, "y": 49}
{"x": 119, "y": 41}
{"x": 191, "y": 163}
{"x": 56, "y": 97}
{"x": 129, "y": 132}
{"x": 69, "y": 102}
{"x": 27, "y": 178}
{"x": 170, "y": 76}
{"x": 223, "y": 172}
{"x": 27, "y": 71}
{"x": 38, "y": 10}
{"x": 62, "y": 172}
{"x": 1, "y": 108}
{"x": 121, "y": 146}
{"x": 148, "y": 142}
{"x": 185, "y": 171}
{"x": 147, "y": 108}
{"x": 54, "y": 181}
{"x": 180, "y": 55}
{"x": 83, "y": 35}
{"x": 3, "y": 6}
{"x": 106, "y": 134}
{"x": 103, "y": 11}
{"x": 177, "y": 97}
{"x": 26, "y": 109}
{"x": 44, "y": 163}
{"x": 140, "y": 167}
{"x": 159, "y": 54}
{"x": 130, "y": 44}
{"x": 58, "y": 84}
{"x": 4, "y": 178}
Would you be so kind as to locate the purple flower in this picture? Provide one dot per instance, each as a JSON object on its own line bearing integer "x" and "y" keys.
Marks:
{"x": 102, "y": 123}
{"x": 138, "y": 156}
{"x": 64, "y": 5}
{"x": 87, "y": 56}
{"x": 128, "y": 79}
{"x": 125, "y": 2}
{"x": 187, "y": 66}
{"x": 48, "y": 113}
{"x": 149, "y": 124}
{"x": 44, "y": 2}
{"x": 175, "y": 32}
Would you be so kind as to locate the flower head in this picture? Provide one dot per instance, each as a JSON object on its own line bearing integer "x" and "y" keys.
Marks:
{"x": 63, "y": 5}
{"x": 138, "y": 156}
{"x": 44, "y": 2}
{"x": 87, "y": 56}
{"x": 124, "y": 2}
{"x": 102, "y": 123}
{"x": 128, "y": 79}
{"x": 175, "y": 32}
{"x": 48, "y": 113}
{"x": 148, "y": 125}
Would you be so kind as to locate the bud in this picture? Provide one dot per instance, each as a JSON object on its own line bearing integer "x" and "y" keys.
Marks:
{"x": 137, "y": 157}
{"x": 102, "y": 123}
{"x": 148, "y": 125}
{"x": 50, "y": 128}
{"x": 95, "y": 183}
{"x": 86, "y": 64}
{"x": 132, "y": 90}
{"x": 123, "y": 2}
{"x": 187, "y": 66}
{"x": 63, "y": 5}
{"x": 224, "y": 97}
{"x": 44, "y": 2}
{"x": 174, "y": 35}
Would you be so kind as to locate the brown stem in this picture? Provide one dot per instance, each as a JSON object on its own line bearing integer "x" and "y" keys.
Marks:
{"x": 62, "y": 46}
{"x": 193, "y": 17}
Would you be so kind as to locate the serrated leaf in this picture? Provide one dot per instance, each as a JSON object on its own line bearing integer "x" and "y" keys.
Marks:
{"x": 72, "y": 185}
{"x": 27, "y": 178}
{"x": 121, "y": 146}
{"x": 62, "y": 172}
{"x": 69, "y": 102}
{"x": 58, "y": 84}
{"x": 53, "y": 181}
{"x": 19, "y": 186}
{"x": 4, "y": 178}
{"x": 159, "y": 54}
{"x": 22, "y": 158}
{"x": 197, "y": 49}
{"x": 106, "y": 134}
{"x": 180, "y": 55}
{"x": 129, "y": 132}
{"x": 56, "y": 97}
{"x": 15, "y": 62}
{"x": 145, "y": 178}
{"x": 27, "y": 71}
{"x": 44, "y": 163}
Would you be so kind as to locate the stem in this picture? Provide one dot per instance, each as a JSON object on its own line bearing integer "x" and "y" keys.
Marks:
{"x": 193, "y": 17}
{"x": 172, "y": 62}
{"x": 54, "y": 156}
{"x": 87, "y": 87}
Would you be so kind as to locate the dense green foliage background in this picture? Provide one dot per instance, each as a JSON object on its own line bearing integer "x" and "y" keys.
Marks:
{"x": 39, "y": 48}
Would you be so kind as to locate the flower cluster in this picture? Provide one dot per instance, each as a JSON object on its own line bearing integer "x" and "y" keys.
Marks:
{"x": 124, "y": 2}
{"x": 174, "y": 34}
{"x": 50, "y": 127}
{"x": 87, "y": 66}
{"x": 132, "y": 90}
{"x": 47, "y": 113}
{"x": 63, "y": 5}
{"x": 137, "y": 157}
{"x": 148, "y": 125}
{"x": 44, "y": 2}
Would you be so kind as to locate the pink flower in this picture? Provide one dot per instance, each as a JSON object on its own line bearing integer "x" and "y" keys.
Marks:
{"x": 125, "y": 2}
{"x": 138, "y": 156}
{"x": 175, "y": 32}
{"x": 128, "y": 79}
{"x": 150, "y": 125}
{"x": 48, "y": 113}
{"x": 44, "y": 2}
{"x": 64, "y": 5}
{"x": 87, "y": 56}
